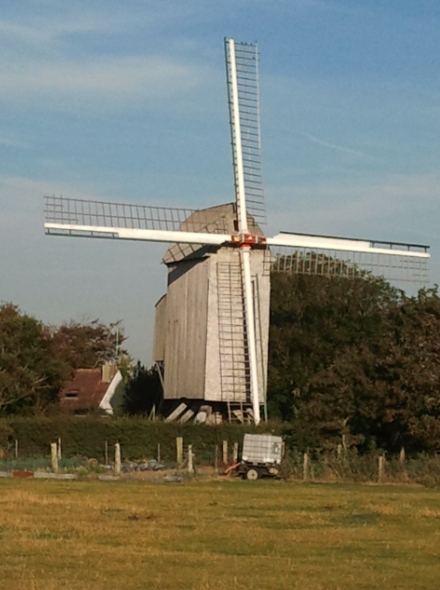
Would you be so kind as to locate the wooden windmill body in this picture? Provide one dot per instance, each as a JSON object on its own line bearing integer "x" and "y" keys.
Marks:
{"x": 199, "y": 336}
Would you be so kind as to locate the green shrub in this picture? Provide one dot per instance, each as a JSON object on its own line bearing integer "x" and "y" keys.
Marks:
{"x": 139, "y": 438}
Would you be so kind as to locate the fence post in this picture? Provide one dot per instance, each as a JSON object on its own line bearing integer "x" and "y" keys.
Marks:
{"x": 306, "y": 467}
{"x": 225, "y": 452}
{"x": 216, "y": 457}
{"x": 190, "y": 459}
{"x": 235, "y": 454}
{"x": 179, "y": 450}
{"x": 402, "y": 455}
{"x": 158, "y": 452}
{"x": 59, "y": 449}
{"x": 381, "y": 469}
{"x": 16, "y": 449}
{"x": 117, "y": 459}
{"x": 54, "y": 457}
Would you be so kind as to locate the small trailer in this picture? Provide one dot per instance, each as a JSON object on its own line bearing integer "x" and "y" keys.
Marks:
{"x": 261, "y": 456}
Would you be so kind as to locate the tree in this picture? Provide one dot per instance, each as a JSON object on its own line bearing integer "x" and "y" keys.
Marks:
{"x": 143, "y": 392}
{"x": 355, "y": 357}
{"x": 408, "y": 373}
{"x": 324, "y": 334}
{"x": 31, "y": 372}
{"x": 313, "y": 321}
{"x": 90, "y": 344}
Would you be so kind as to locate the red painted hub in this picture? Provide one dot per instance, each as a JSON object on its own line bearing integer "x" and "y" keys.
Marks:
{"x": 248, "y": 240}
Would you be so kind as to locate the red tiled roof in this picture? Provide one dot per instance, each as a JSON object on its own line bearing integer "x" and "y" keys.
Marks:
{"x": 84, "y": 392}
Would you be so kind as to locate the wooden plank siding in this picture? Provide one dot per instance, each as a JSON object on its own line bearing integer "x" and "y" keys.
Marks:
{"x": 185, "y": 340}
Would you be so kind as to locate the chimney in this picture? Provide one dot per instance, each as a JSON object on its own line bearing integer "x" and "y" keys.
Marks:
{"x": 108, "y": 371}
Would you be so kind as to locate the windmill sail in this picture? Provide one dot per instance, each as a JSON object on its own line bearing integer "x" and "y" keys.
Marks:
{"x": 344, "y": 257}
{"x": 243, "y": 92}
{"x": 244, "y": 115}
{"x": 97, "y": 219}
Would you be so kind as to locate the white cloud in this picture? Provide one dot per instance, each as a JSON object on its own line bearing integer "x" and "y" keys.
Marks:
{"x": 107, "y": 81}
{"x": 41, "y": 187}
{"x": 332, "y": 146}
{"x": 41, "y": 29}
{"x": 80, "y": 55}
{"x": 9, "y": 141}
{"x": 11, "y": 32}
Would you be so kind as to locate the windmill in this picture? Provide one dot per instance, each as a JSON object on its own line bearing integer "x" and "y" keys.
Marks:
{"x": 212, "y": 326}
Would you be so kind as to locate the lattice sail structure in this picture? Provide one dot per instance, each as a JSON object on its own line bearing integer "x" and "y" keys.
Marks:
{"x": 91, "y": 219}
{"x": 290, "y": 252}
{"x": 212, "y": 326}
{"x": 353, "y": 258}
{"x": 244, "y": 117}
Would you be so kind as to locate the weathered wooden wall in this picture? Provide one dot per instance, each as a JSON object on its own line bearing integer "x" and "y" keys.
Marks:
{"x": 160, "y": 322}
{"x": 185, "y": 332}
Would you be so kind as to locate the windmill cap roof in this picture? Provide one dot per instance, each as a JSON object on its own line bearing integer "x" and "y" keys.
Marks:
{"x": 220, "y": 219}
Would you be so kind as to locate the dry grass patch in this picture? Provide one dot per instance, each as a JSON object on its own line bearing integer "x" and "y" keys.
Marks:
{"x": 261, "y": 535}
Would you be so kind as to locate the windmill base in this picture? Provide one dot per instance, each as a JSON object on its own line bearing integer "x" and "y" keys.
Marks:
{"x": 204, "y": 412}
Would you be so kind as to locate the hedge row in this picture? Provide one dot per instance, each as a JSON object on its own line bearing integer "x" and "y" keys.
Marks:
{"x": 139, "y": 438}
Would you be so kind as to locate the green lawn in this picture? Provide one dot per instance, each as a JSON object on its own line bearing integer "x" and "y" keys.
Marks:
{"x": 219, "y": 534}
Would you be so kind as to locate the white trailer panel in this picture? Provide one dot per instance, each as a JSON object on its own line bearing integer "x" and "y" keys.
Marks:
{"x": 262, "y": 448}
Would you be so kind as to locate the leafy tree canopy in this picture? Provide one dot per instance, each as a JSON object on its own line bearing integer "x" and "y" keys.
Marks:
{"x": 143, "y": 392}
{"x": 90, "y": 344}
{"x": 31, "y": 372}
{"x": 35, "y": 359}
{"x": 355, "y": 358}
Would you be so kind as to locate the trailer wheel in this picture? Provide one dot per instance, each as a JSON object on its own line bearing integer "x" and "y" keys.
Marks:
{"x": 252, "y": 474}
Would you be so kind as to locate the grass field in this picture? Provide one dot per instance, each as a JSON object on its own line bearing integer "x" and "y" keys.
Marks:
{"x": 218, "y": 534}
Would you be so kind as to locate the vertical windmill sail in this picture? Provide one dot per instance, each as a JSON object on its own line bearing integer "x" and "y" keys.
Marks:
{"x": 244, "y": 119}
{"x": 242, "y": 82}
{"x": 241, "y": 304}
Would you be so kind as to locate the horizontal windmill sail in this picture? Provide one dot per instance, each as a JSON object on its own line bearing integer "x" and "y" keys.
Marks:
{"x": 296, "y": 253}
{"x": 97, "y": 219}
{"x": 290, "y": 252}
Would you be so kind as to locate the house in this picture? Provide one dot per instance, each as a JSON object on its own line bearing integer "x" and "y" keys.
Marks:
{"x": 91, "y": 390}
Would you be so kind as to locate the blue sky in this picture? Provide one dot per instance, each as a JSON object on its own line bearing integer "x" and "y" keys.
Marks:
{"x": 127, "y": 101}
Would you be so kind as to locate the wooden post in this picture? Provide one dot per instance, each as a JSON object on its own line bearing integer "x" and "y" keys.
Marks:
{"x": 381, "y": 469}
{"x": 117, "y": 459}
{"x": 158, "y": 452}
{"x": 106, "y": 452}
{"x": 59, "y": 449}
{"x": 179, "y": 450}
{"x": 225, "y": 452}
{"x": 216, "y": 457}
{"x": 402, "y": 455}
{"x": 54, "y": 457}
{"x": 306, "y": 467}
{"x": 16, "y": 449}
{"x": 235, "y": 454}
{"x": 190, "y": 459}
